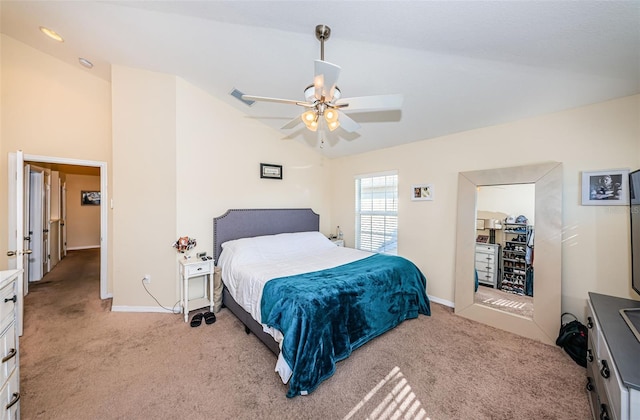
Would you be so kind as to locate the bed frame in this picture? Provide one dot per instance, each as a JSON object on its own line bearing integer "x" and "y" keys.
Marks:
{"x": 246, "y": 223}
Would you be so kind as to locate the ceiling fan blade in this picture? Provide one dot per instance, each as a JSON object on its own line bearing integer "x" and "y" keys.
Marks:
{"x": 347, "y": 124}
{"x": 277, "y": 100}
{"x": 370, "y": 103}
{"x": 325, "y": 79}
{"x": 292, "y": 123}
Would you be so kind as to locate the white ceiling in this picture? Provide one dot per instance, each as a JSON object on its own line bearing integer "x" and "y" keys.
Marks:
{"x": 459, "y": 64}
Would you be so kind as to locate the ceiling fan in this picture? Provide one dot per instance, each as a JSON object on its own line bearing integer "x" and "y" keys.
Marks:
{"x": 323, "y": 99}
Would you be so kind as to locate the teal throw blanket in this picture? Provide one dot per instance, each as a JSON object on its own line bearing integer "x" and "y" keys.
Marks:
{"x": 326, "y": 314}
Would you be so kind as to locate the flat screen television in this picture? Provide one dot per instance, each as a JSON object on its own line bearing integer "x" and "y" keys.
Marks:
{"x": 632, "y": 315}
{"x": 634, "y": 210}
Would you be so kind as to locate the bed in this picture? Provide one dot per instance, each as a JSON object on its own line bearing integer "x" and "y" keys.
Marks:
{"x": 312, "y": 303}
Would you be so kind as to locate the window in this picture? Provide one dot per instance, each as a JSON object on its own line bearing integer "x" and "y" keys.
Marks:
{"x": 377, "y": 212}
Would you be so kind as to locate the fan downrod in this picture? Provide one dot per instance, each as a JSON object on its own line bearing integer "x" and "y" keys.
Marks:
{"x": 322, "y": 33}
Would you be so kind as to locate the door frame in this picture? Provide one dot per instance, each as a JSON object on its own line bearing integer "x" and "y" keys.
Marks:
{"x": 104, "y": 199}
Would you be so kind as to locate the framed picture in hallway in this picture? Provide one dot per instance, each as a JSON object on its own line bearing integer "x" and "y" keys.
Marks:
{"x": 90, "y": 198}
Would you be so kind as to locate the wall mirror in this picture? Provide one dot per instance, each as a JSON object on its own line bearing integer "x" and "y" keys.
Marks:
{"x": 544, "y": 323}
{"x": 505, "y": 243}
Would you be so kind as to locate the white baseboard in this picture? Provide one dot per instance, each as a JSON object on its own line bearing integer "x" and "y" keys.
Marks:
{"x": 76, "y": 248}
{"x": 141, "y": 309}
{"x": 442, "y": 301}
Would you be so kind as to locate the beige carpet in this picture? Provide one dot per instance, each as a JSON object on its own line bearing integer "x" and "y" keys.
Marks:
{"x": 81, "y": 361}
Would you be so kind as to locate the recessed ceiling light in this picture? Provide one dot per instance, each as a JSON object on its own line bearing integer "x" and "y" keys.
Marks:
{"x": 51, "y": 34}
{"x": 86, "y": 63}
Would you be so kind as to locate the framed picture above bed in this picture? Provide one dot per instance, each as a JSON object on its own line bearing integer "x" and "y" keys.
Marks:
{"x": 268, "y": 170}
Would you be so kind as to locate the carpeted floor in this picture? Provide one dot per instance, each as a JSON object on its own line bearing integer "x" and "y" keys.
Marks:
{"x": 81, "y": 361}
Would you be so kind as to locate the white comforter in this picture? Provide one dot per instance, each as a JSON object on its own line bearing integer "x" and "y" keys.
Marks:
{"x": 248, "y": 263}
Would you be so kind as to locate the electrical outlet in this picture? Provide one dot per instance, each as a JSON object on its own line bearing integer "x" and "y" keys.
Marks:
{"x": 147, "y": 278}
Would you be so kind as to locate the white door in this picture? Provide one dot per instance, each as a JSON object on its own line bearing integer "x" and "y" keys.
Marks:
{"x": 63, "y": 220}
{"x": 46, "y": 221}
{"x": 25, "y": 217}
{"x": 36, "y": 227}
{"x": 16, "y": 235}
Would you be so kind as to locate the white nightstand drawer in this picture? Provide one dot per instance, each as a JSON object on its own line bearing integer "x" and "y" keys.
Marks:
{"x": 195, "y": 268}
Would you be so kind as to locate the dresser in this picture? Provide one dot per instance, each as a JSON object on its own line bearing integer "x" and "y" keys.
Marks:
{"x": 613, "y": 360}
{"x": 487, "y": 263}
{"x": 9, "y": 351}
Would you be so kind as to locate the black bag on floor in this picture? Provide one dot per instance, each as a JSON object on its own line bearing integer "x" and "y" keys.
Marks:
{"x": 573, "y": 339}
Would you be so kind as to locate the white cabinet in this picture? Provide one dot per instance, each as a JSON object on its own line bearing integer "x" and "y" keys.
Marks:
{"x": 487, "y": 263}
{"x": 9, "y": 347}
{"x": 613, "y": 352}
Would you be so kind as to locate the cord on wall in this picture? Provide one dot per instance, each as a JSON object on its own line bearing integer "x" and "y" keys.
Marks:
{"x": 172, "y": 310}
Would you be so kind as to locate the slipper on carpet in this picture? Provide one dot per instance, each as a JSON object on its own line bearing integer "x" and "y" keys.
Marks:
{"x": 209, "y": 317}
{"x": 196, "y": 320}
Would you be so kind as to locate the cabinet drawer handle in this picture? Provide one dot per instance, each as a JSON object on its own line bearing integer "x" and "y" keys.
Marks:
{"x": 9, "y": 356}
{"x": 590, "y": 386}
{"x": 14, "y": 399}
{"x": 605, "y": 370}
{"x": 604, "y": 413}
{"x": 589, "y": 322}
{"x": 589, "y": 355}
{"x": 14, "y": 299}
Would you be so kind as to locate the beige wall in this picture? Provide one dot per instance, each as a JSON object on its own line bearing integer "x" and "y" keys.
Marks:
{"x": 48, "y": 108}
{"x": 181, "y": 157}
{"x": 595, "y": 239}
{"x": 144, "y": 185}
{"x": 83, "y": 222}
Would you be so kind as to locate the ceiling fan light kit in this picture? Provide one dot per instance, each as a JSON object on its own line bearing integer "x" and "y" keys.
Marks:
{"x": 324, "y": 99}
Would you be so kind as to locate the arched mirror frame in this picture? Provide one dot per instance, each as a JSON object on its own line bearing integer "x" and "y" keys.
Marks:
{"x": 547, "y": 177}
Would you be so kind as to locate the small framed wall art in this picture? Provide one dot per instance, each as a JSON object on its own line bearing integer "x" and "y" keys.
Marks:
{"x": 268, "y": 170}
{"x": 605, "y": 188}
{"x": 90, "y": 198}
{"x": 422, "y": 192}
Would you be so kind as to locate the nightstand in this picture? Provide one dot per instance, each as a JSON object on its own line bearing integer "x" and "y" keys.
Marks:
{"x": 338, "y": 242}
{"x": 190, "y": 269}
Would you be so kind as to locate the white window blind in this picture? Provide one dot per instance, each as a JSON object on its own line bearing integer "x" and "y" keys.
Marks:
{"x": 377, "y": 213}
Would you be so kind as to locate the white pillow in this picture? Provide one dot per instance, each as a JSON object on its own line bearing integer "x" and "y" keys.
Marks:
{"x": 262, "y": 249}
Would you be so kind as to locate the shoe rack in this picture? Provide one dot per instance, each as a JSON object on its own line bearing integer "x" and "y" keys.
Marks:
{"x": 514, "y": 263}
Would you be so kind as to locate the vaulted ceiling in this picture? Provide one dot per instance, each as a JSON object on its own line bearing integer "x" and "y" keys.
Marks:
{"x": 460, "y": 65}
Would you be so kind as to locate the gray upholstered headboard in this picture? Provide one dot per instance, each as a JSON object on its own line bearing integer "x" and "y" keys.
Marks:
{"x": 246, "y": 223}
